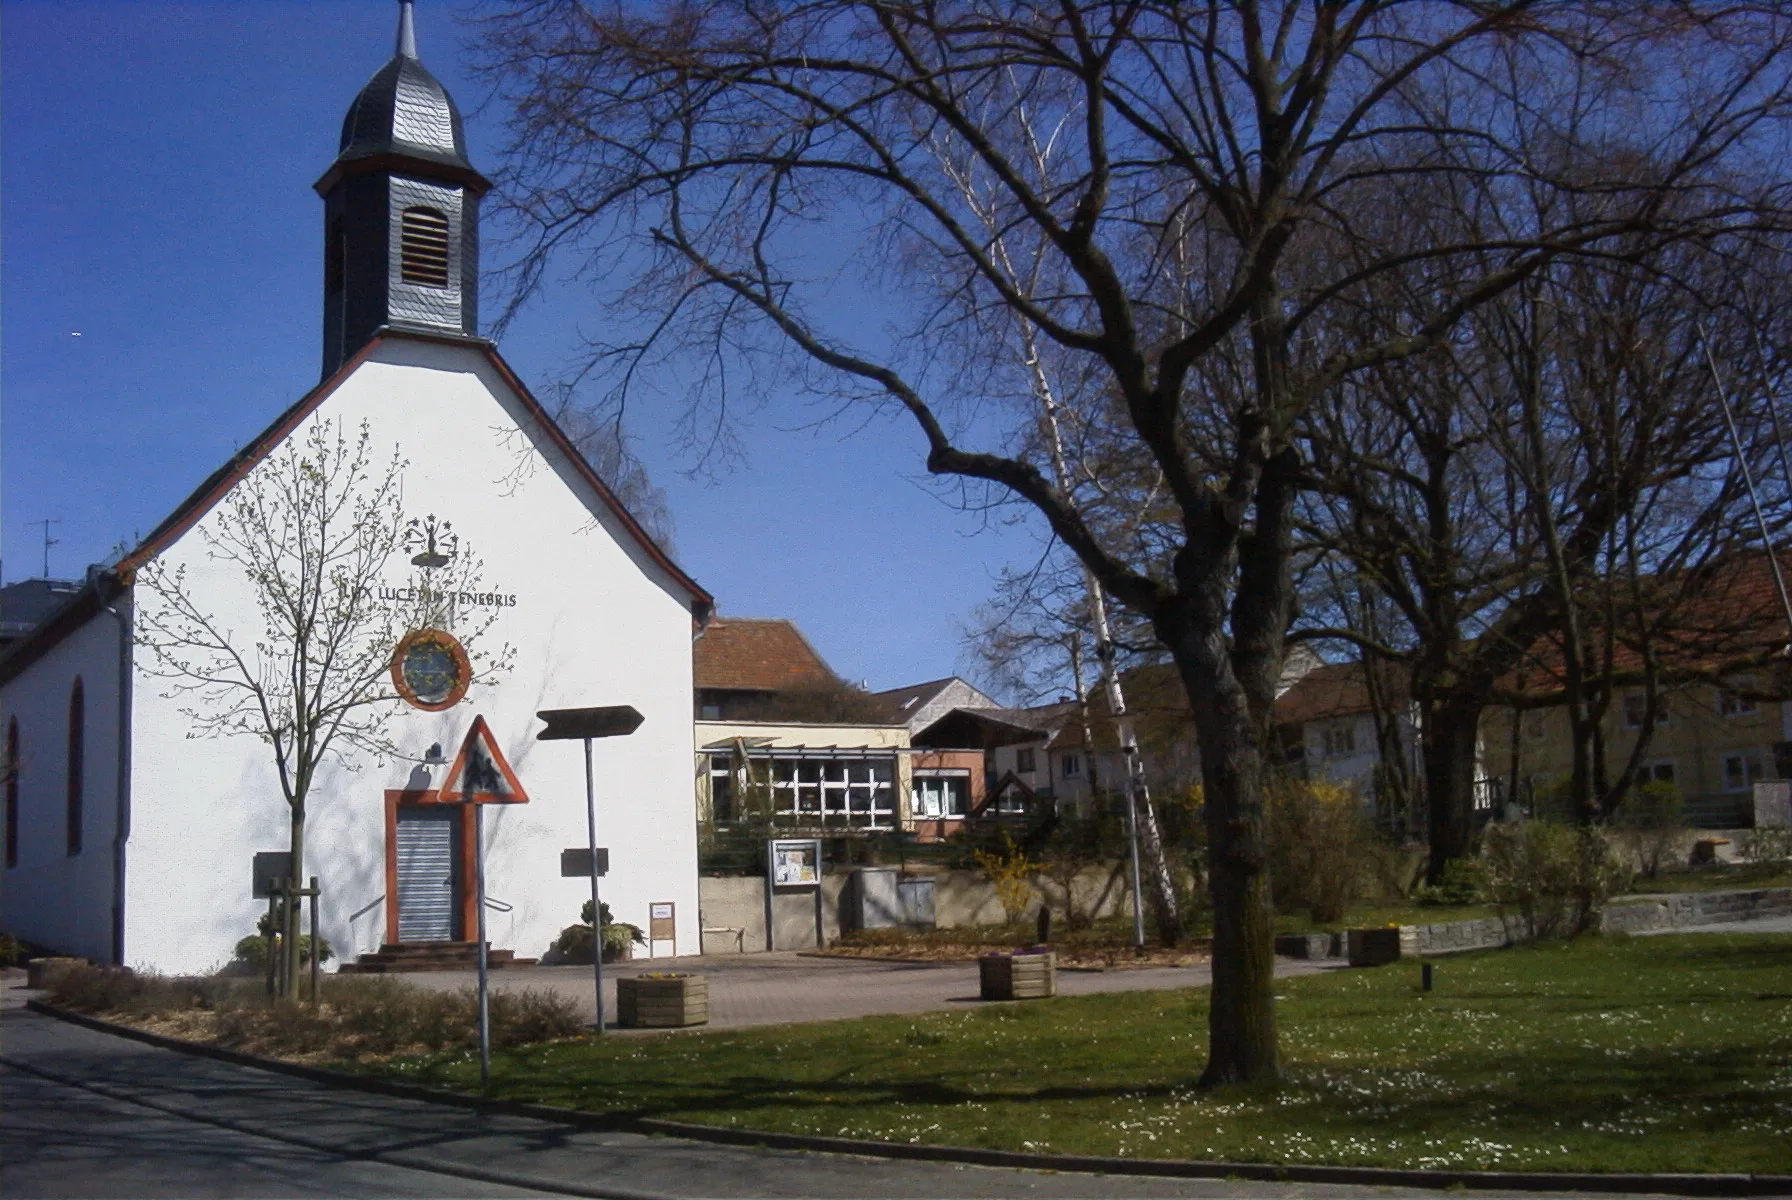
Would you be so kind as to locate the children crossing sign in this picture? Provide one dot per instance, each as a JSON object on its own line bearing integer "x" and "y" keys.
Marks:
{"x": 479, "y": 773}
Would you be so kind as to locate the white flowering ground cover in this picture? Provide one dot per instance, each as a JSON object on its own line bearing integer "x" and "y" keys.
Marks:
{"x": 1608, "y": 1054}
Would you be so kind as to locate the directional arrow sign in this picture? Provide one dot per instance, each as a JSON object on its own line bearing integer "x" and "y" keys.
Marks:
{"x": 573, "y": 723}
{"x": 479, "y": 774}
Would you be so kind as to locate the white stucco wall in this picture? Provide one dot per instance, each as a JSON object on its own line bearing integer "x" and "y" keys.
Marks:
{"x": 596, "y": 622}
{"x": 1354, "y": 769}
{"x": 57, "y": 900}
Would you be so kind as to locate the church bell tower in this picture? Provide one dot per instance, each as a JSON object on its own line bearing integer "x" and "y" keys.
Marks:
{"x": 401, "y": 211}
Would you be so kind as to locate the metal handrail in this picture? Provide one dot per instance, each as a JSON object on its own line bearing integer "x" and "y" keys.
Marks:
{"x": 498, "y": 905}
{"x": 368, "y": 907}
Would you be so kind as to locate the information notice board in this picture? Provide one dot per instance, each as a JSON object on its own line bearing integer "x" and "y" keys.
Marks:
{"x": 792, "y": 863}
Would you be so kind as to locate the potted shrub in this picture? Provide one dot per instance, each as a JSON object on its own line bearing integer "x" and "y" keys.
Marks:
{"x": 574, "y": 943}
{"x": 1021, "y": 975}
{"x": 662, "y": 1000}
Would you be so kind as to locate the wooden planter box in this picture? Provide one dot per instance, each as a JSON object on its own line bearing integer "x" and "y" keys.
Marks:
{"x": 663, "y": 1002}
{"x": 1374, "y": 947}
{"x": 1017, "y": 976}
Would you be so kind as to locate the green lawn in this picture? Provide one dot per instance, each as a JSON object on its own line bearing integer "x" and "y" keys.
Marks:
{"x": 1609, "y": 1054}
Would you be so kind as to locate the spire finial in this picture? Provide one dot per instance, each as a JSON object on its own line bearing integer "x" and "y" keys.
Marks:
{"x": 407, "y": 33}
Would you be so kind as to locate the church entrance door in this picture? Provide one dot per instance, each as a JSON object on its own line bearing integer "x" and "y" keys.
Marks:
{"x": 428, "y": 853}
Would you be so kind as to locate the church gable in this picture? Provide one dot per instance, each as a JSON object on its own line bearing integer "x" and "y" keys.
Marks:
{"x": 408, "y": 384}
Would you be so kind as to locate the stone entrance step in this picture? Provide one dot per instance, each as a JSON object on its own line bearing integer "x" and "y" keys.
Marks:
{"x": 396, "y": 957}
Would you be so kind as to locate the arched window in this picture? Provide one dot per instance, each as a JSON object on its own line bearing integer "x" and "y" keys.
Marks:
{"x": 12, "y": 792}
{"x": 77, "y": 754}
{"x": 423, "y": 247}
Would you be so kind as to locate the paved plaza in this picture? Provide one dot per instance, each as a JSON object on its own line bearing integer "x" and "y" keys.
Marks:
{"x": 787, "y": 986}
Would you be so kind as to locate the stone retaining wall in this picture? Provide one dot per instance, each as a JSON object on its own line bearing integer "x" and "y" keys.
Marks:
{"x": 1696, "y": 908}
{"x": 1667, "y": 912}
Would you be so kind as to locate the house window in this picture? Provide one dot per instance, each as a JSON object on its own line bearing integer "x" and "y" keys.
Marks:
{"x": 1732, "y": 703}
{"x": 1023, "y": 760}
{"x": 1636, "y": 706}
{"x": 77, "y": 753}
{"x": 942, "y": 795}
{"x": 1339, "y": 740}
{"x": 1071, "y": 765}
{"x": 423, "y": 247}
{"x": 856, "y": 793}
{"x": 1659, "y": 771}
{"x": 12, "y": 792}
{"x": 710, "y": 712}
{"x": 721, "y": 788}
{"x": 1742, "y": 770}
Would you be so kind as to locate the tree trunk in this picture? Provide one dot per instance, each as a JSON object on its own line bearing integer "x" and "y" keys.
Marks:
{"x": 1241, "y": 1015}
{"x": 1450, "y": 730}
{"x": 1241, "y": 1020}
{"x": 297, "y": 846}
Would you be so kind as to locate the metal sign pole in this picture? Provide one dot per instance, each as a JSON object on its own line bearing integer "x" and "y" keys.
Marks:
{"x": 485, "y": 1015}
{"x": 597, "y": 912}
{"x": 565, "y": 724}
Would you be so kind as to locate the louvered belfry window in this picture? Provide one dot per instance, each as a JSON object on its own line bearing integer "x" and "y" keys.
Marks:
{"x": 423, "y": 247}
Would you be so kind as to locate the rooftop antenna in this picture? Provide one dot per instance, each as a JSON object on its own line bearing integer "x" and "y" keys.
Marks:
{"x": 407, "y": 32}
{"x": 1748, "y": 479}
{"x": 48, "y": 540}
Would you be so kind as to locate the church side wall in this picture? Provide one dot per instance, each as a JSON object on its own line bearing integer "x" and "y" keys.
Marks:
{"x": 52, "y": 898}
{"x": 591, "y": 621}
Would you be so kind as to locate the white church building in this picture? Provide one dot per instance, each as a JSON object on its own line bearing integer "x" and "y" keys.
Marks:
{"x": 129, "y": 840}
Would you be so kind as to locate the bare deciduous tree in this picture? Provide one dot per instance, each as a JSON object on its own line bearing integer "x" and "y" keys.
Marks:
{"x": 1223, "y": 180}
{"x": 309, "y": 535}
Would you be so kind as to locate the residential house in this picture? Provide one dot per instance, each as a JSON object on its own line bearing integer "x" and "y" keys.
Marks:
{"x": 781, "y": 738}
{"x": 1722, "y": 718}
{"x": 1077, "y": 757}
{"x": 957, "y": 732}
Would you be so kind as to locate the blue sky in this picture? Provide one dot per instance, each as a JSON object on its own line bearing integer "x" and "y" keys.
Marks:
{"x": 159, "y": 268}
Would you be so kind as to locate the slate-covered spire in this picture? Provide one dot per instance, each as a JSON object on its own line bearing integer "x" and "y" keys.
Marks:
{"x": 401, "y": 210}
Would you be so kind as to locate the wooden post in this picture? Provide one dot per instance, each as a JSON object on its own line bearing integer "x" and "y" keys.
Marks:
{"x": 283, "y": 894}
{"x": 315, "y": 955}
{"x": 485, "y": 1012}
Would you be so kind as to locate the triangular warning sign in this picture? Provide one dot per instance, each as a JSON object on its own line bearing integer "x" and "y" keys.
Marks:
{"x": 479, "y": 774}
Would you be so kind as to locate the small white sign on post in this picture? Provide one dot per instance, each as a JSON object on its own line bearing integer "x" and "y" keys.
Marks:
{"x": 662, "y": 926}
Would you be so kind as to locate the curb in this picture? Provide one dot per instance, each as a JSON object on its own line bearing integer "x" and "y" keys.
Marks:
{"x": 1536, "y": 1181}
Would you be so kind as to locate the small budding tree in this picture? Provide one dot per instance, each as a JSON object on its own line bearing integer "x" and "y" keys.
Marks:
{"x": 313, "y": 530}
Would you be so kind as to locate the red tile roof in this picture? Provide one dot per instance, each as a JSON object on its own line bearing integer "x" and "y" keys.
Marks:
{"x": 746, "y": 654}
{"x": 1333, "y": 690}
{"x": 1703, "y": 621}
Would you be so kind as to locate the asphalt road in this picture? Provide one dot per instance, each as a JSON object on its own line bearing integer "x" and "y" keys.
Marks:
{"x": 88, "y": 1114}
{"x": 93, "y": 1115}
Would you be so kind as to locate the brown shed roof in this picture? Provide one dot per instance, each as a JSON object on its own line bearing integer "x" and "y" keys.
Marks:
{"x": 756, "y": 654}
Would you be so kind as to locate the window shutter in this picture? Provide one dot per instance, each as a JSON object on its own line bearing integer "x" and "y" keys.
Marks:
{"x": 423, "y": 247}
